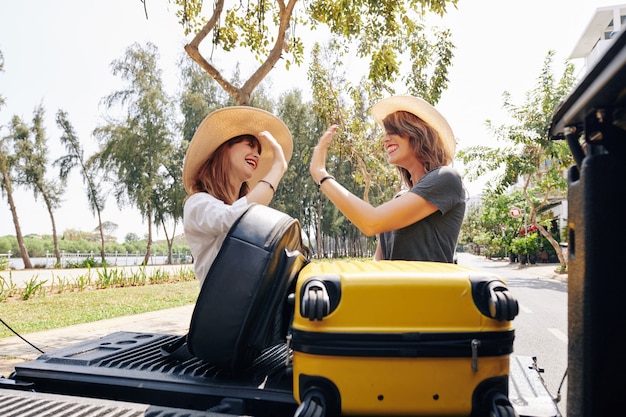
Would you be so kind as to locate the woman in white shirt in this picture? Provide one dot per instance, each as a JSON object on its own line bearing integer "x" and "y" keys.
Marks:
{"x": 237, "y": 157}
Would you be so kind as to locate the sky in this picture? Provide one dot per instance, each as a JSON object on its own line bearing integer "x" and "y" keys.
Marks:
{"x": 58, "y": 54}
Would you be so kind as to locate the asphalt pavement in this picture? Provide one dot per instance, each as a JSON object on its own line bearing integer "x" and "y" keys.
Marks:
{"x": 14, "y": 350}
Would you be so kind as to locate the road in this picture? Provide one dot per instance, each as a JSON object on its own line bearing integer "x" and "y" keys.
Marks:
{"x": 541, "y": 326}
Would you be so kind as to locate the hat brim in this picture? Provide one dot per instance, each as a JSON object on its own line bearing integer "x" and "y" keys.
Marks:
{"x": 422, "y": 109}
{"x": 227, "y": 123}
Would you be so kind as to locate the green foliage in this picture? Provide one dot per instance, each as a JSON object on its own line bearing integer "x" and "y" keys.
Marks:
{"x": 139, "y": 147}
{"x": 489, "y": 224}
{"x": 528, "y": 151}
{"x": 383, "y": 34}
{"x": 32, "y": 287}
{"x": 83, "y": 282}
{"x": 525, "y": 245}
{"x": 40, "y": 246}
{"x": 69, "y": 308}
{"x": 31, "y": 165}
{"x": 89, "y": 262}
{"x": 7, "y": 287}
{"x": 62, "y": 284}
{"x": 529, "y": 161}
{"x": 76, "y": 158}
{"x": 141, "y": 151}
{"x": 105, "y": 278}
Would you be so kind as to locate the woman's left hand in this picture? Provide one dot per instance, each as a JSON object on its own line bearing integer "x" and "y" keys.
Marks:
{"x": 317, "y": 168}
{"x": 277, "y": 150}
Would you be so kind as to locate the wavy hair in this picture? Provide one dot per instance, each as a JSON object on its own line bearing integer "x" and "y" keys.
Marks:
{"x": 213, "y": 174}
{"x": 423, "y": 140}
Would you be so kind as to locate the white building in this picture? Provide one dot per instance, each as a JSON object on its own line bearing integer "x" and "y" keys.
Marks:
{"x": 605, "y": 24}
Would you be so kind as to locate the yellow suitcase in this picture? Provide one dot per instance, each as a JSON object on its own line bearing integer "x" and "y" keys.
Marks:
{"x": 401, "y": 338}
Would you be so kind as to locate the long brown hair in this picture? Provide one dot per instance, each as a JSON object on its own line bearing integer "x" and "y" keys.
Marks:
{"x": 213, "y": 174}
{"x": 423, "y": 139}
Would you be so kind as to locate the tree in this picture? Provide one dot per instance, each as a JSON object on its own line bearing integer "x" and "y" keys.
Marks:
{"x": 31, "y": 152}
{"x": 75, "y": 157}
{"x": 7, "y": 160}
{"x": 135, "y": 149}
{"x": 200, "y": 95}
{"x": 471, "y": 228}
{"x": 108, "y": 227}
{"x": 169, "y": 196}
{"x": 6, "y": 184}
{"x": 385, "y": 32}
{"x": 296, "y": 192}
{"x": 530, "y": 157}
{"x": 131, "y": 237}
{"x": 495, "y": 228}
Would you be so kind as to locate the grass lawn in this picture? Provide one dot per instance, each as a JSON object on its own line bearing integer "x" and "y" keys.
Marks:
{"x": 77, "y": 302}
{"x": 50, "y": 311}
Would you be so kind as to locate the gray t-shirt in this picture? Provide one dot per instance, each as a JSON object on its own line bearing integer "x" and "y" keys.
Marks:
{"x": 433, "y": 238}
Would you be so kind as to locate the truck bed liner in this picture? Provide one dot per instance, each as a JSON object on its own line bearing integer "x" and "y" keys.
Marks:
{"x": 129, "y": 366}
{"x": 129, "y": 369}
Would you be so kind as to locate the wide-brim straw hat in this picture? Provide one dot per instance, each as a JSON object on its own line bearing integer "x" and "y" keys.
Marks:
{"x": 422, "y": 109}
{"x": 227, "y": 123}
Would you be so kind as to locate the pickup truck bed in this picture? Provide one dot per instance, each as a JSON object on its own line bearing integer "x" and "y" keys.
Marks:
{"x": 128, "y": 374}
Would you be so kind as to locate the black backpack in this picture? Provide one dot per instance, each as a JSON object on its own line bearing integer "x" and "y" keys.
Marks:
{"x": 242, "y": 307}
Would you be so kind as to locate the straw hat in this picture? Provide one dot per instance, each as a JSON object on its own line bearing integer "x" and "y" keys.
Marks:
{"x": 227, "y": 123}
{"x": 422, "y": 109}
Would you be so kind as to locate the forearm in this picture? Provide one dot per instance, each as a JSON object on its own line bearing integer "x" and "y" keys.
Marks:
{"x": 264, "y": 190}
{"x": 359, "y": 212}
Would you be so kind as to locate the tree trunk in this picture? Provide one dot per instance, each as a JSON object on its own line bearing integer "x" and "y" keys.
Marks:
{"x": 170, "y": 242}
{"x": 6, "y": 185}
{"x": 55, "y": 238}
{"x": 102, "y": 246}
{"x": 18, "y": 232}
{"x": 554, "y": 243}
{"x": 149, "y": 245}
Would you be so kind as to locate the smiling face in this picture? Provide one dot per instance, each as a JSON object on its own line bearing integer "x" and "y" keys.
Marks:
{"x": 244, "y": 157}
{"x": 225, "y": 173}
{"x": 398, "y": 149}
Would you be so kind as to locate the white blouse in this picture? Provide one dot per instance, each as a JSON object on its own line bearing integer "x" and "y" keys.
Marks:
{"x": 207, "y": 221}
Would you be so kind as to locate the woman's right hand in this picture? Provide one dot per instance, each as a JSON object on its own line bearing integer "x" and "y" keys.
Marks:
{"x": 277, "y": 150}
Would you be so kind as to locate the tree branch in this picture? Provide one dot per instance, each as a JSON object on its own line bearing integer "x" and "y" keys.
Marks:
{"x": 241, "y": 95}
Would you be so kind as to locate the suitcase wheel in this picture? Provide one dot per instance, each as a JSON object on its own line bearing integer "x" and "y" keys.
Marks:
{"x": 313, "y": 405}
{"x": 502, "y": 305}
{"x": 501, "y": 407}
{"x": 315, "y": 304}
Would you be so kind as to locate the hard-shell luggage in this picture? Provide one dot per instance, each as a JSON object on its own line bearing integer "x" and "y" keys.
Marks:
{"x": 242, "y": 307}
{"x": 401, "y": 338}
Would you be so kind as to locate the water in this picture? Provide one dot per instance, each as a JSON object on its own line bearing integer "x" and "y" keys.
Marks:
{"x": 112, "y": 260}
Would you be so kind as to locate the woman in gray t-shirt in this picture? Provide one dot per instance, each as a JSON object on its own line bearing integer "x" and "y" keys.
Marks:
{"x": 422, "y": 223}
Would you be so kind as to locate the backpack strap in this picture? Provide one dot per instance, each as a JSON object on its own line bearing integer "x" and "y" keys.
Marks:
{"x": 177, "y": 349}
